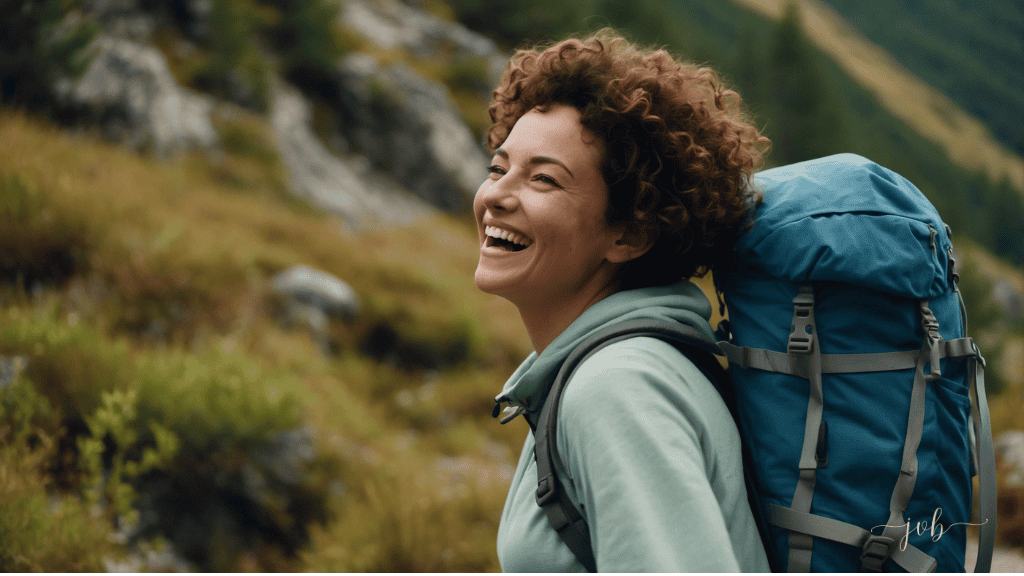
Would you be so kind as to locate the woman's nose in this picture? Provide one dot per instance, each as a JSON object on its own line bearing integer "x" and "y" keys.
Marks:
{"x": 500, "y": 196}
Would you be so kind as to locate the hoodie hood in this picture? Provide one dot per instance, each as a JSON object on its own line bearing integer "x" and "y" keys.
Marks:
{"x": 682, "y": 302}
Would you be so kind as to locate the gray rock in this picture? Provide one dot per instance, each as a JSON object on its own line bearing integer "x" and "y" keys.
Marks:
{"x": 10, "y": 368}
{"x": 129, "y": 90}
{"x": 409, "y": 128}
{"x": 310, "y": 298}
{"x": 393, "y": 25}
{"x": 342, "y": 185}
{"x": 1009, "y": 300}
{"x": 318, "y": 290}
{"x": 1010, "y": 454}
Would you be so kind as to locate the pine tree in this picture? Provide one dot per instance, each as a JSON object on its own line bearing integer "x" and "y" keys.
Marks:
{"x": 1006, "y": 218}
{"x": 806, "y": 120}
{"x": 39, "y": 45}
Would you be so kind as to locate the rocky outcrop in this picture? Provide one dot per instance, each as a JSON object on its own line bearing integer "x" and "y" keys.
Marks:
{"x": 317, "y": 289}
{"x": 1010, "y": 454}
{"x": 129, "y": 91}
{"x": 393, "y": 25}
{"x": 310, "y": 298}
{"x": 408, "y": 127}
{"x": 1009, "y": 300}
{"x": 11, "y": 368}
{"x": 344, "y": 184}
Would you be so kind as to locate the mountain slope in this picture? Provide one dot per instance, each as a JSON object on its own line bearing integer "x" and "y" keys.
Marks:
{"x": 964, "y": 138}
{"x": 972, "y": 52}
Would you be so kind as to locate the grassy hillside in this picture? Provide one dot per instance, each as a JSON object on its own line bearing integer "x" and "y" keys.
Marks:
{"x": 973, "y": 53}
{"x": 155, "y": 350}
{"x": 171, "y": 266}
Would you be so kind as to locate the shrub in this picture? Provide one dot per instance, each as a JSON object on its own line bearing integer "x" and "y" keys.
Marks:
{"x": 244, "y": 469}
{"x": 39, "y": 44}
{"x": 304, "y": 35}
{"x": 43, "y": 238}
{"x": 209, "y": 448}
{"x": 70, "y": 364}
{"x": 39, "y": 532}
{"x": 234, "y": 69}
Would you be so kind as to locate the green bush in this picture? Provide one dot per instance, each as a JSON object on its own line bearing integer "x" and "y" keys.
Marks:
{"x": 43, "y": 237}
{"x": 304, "y": 35}
{"x": 34, "y": 534}
{"x": 38, "y": 45}
{"x": 40, "y": 533}
{"x": 69, "y": 363}
{"x": 235, "y": 69}
{"x": 168, "y": 441}
{"x": 469, "y": 73}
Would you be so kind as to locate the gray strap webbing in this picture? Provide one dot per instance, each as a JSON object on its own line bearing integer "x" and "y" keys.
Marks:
{"x": 907, "y": 479}
{"x": 804, "y": 351}
{"x": 772, "y": 361}
{"x": 910, "y": 558}
{"x": 986, "y": 468}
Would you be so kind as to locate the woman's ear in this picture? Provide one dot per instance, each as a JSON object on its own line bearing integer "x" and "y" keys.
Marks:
{"x": 634, "y": 241}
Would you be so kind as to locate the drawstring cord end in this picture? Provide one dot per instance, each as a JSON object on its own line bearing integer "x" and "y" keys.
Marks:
{"x": 509, "y": 413}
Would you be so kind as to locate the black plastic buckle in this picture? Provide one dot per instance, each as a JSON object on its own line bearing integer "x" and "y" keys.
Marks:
{"x": 876, "y": 550}
{"x": 724, "y": 331}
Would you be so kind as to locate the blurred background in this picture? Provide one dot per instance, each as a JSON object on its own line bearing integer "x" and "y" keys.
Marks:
{"x": 238, "y": 326}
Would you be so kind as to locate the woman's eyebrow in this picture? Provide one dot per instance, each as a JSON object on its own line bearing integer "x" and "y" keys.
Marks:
{"x": 538, "y": 160}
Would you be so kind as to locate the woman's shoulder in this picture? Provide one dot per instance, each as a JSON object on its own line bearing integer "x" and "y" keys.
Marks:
{"x": 639, "y": 390}
{"x": 639, "y": 367}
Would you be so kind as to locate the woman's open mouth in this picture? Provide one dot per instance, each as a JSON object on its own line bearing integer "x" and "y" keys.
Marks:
{"x": 505, "y": 240}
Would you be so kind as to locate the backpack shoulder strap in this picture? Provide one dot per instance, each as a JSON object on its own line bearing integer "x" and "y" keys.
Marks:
{"x": 571, "y": 527}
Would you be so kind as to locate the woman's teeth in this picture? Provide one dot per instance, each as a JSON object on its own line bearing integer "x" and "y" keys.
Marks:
{"x": 499, "y": 234}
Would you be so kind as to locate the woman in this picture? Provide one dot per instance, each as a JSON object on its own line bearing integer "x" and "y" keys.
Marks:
{"x": 618, "y": 174}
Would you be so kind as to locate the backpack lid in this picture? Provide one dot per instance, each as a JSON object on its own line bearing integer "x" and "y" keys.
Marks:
{"x": 844, "y": 218}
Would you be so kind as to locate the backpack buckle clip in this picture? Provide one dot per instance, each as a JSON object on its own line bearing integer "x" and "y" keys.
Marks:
{"x": 932, "y": 341}
{"x": 801, "y": 339}
{"x": 876, "y": 550}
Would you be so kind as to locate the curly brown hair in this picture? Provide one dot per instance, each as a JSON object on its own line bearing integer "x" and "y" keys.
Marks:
{"x": 680, "y": 149}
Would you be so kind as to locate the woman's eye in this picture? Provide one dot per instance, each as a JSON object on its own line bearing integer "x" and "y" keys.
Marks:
{"x": 495, "y": 169}
{"x": 546, "y": 179}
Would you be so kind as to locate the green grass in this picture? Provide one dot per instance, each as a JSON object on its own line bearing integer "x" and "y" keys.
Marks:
{"x": 162, "y": 339}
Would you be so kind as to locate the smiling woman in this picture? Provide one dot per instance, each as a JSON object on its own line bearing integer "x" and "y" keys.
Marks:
{"x": 619, "y": 174}
{"x": 556, "y": 209}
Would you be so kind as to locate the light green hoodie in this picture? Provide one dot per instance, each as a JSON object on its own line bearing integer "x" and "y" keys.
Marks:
{"x": 651, "y": 453}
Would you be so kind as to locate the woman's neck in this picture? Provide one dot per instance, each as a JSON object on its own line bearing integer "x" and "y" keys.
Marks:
{"x": 545, "y": 319}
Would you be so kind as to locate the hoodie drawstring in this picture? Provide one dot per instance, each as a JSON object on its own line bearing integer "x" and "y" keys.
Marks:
{"x": 510, "y": 411}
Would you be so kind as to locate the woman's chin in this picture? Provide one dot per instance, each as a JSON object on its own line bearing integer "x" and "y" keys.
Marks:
{"x": 485, "y": 281}
{"x": 492, "y": 282}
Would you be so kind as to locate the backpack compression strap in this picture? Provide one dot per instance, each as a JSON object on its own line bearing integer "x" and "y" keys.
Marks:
{"x": 876, "y": 548}
{"x": 957, "y": 349}
{"x": 563, "y": 515}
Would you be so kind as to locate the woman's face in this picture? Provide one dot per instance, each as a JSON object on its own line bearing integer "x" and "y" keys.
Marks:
{"x": 541, "y": 213}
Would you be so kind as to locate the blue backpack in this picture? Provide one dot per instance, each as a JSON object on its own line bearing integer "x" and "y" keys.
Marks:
{"x": 859, "y": 399}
